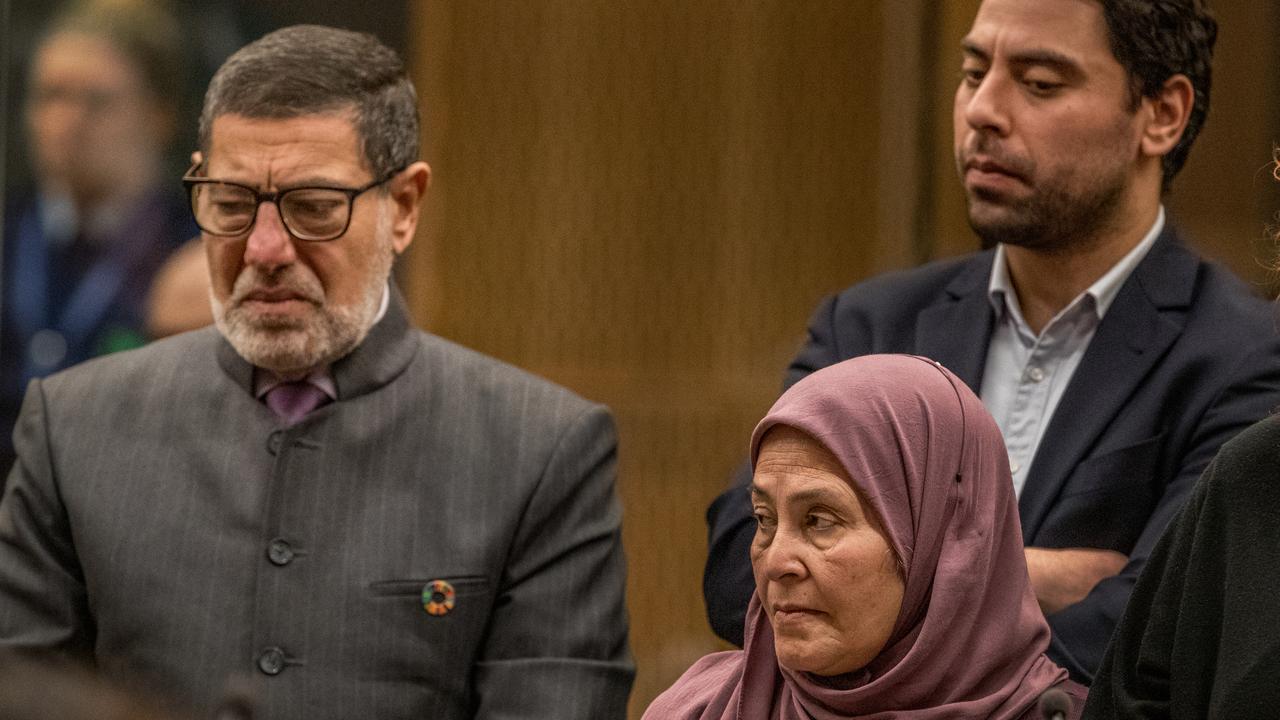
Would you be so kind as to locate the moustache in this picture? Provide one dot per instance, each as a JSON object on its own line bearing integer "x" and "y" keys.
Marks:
{"x": 287, "y": 284}
{"x": 983, "y": 153}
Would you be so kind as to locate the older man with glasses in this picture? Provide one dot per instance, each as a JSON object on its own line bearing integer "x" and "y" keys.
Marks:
{"x": 371, "y": 521}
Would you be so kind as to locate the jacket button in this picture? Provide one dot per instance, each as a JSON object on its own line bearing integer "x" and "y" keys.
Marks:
{"x": 280, "y": 552}
{"x": 273, "y": 442}
{"x": 271, "y": 661}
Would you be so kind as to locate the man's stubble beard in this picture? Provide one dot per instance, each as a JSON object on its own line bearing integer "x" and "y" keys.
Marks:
{"x": 1054, "y": 220}
{"x": 1063, "y": 214}
{"x": 292, "y": 345}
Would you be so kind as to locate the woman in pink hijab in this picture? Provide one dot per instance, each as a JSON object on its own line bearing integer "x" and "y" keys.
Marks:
{"x": 890, "y": 579}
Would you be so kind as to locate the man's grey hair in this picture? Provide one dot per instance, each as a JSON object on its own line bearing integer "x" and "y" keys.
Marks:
{"x": 314, "y": 70}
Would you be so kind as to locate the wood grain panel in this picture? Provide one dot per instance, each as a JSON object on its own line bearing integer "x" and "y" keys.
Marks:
{"x": 1226, "y": 197}
{"x": 644, "y": 201}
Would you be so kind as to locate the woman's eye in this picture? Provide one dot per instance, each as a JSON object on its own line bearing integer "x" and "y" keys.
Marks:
{"x": 764, "y": 521}
{"x": 819, "y": 522}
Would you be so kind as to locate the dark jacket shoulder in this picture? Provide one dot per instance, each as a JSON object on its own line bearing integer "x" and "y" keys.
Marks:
{"x": 914, "y": 287}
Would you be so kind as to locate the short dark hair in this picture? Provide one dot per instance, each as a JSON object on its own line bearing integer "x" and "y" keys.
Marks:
{"x": 145, "y": 33}
{"x": 311, "y": 69}
{"x": 1157, "y": 39}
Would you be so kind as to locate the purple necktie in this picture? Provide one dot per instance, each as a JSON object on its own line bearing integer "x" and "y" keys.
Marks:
{"x": 291, "y": 401}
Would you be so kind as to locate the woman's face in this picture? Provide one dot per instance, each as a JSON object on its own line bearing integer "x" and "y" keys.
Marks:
{"x": 824, "y": 569}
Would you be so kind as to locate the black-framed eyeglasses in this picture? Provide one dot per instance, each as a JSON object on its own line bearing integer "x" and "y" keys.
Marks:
{"x": 313, "y": 214}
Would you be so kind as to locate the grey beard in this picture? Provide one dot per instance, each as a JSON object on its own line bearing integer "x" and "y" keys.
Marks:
{"x": 300, "y": 345}
{"x": 290, "y": 346}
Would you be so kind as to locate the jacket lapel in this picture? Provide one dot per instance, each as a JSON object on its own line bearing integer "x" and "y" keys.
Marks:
{"x": 956, "y": 330}
{"x": 1146, "y": 317}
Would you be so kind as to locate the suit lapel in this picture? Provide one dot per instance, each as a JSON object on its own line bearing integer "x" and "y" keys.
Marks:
{"x": 956, "y": 330}
{"x": 1146, "y": 317}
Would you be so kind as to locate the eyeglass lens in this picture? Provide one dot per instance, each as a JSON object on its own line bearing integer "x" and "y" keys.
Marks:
{"x": 310, "y": 213}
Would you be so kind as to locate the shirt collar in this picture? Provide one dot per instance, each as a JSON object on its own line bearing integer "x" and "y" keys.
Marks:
{"x": 1103, "y": 291}
{"x": 264, "y": 381}
{"x": 382, "y": 307}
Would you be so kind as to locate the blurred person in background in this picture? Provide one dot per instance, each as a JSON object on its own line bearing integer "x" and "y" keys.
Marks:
{"x": 83, "y": 244}
{"x": 179, "y": 297}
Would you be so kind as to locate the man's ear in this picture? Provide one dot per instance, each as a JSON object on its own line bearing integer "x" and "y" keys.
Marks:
{"x": 1167, "y": 114}
{"x": 407, "y": 189}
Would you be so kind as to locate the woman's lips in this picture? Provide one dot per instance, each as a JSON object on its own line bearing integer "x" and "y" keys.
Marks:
{"x": 784, "y": 613}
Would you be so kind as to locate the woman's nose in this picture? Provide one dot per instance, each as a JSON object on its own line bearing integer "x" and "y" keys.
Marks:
{"x": 783, "y": 558}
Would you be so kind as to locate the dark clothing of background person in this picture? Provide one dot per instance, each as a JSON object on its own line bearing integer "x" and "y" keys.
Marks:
{"x": 1199, "y": 638}
{"x": 1185, "y": 358}
{"x": 72, "y": 295}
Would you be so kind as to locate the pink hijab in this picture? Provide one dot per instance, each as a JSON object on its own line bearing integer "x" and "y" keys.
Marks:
{"x": 969, "y": 640}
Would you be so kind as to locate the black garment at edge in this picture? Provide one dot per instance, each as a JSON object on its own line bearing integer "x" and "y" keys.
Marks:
{"x": 1200, "y": 637}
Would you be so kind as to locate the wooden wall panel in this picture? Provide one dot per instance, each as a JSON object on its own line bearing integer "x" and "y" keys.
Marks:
{"x": 644, "y": 201}
{"x": 1226, "y": 197}
{"x": 945, "y": 205}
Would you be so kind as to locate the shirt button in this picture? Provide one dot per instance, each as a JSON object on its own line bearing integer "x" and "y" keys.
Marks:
{"x": 271, "y": 661}
{"x": 273, "y": 442}
{"x": 280, "y": 552}
{"x": 1036, "y": 374}
{"x": 1014, "y": 467}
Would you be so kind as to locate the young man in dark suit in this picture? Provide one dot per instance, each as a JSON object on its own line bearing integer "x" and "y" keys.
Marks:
{"x": 1114, "y": 359}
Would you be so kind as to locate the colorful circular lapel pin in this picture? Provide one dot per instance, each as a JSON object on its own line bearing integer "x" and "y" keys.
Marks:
{"x": 437, "y": 597}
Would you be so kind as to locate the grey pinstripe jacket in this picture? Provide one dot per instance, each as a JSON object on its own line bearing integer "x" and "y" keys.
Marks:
{"x": 159, "y": 521}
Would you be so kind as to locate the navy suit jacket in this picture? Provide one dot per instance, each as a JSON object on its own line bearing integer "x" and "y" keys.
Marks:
{"x": 1185, "y": 358}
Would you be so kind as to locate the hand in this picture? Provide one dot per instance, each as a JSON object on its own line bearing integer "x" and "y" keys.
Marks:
{"x": 1064, "y": 576}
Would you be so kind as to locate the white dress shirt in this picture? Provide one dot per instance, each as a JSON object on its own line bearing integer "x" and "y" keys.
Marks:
{"x": 1025, "y": 373}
